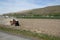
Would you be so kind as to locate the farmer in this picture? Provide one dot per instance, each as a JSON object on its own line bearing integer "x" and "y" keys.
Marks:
{"x": 15, "y": 22}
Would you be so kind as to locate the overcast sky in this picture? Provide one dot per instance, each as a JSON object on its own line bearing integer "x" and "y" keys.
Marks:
{"x": 19, "y": 5}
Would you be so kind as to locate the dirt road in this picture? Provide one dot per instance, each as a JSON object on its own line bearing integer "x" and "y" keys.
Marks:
{"x": 6, "y": 36}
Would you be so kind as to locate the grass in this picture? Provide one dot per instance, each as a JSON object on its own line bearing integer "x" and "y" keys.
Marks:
{"x": 36, "y": 16}
{"x": 30, "y": 34}
{"x": 40, "y": 17}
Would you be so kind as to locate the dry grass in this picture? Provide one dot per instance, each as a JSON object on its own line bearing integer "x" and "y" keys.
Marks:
{"x": 47, "y": 26}
{"x": 26, "y": 33}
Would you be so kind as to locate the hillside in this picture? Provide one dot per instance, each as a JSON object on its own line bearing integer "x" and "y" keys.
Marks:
{"x": 50, "y": 11}
{"x": 47, "y": 10}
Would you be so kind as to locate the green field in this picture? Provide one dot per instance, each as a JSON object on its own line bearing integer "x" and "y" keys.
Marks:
{"x": 37, "y": 16}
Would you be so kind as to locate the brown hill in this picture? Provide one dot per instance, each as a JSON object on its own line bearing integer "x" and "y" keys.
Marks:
{"x": 50, "y": 10}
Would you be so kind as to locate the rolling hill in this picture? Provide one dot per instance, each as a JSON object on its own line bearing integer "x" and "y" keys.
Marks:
{"x": 46, "y": 11}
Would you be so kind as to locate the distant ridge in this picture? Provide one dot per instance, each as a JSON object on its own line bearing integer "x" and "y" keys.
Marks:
{"x": 50, "y": 10}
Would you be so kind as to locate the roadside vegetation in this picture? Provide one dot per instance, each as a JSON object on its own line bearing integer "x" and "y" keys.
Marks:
{"x": 30, "y": 34}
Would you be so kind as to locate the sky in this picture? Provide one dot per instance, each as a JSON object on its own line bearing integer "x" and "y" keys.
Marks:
{"x": 7, "y": 6}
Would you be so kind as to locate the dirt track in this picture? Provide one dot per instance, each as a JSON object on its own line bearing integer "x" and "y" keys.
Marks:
{"x": 7, "y": 36}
